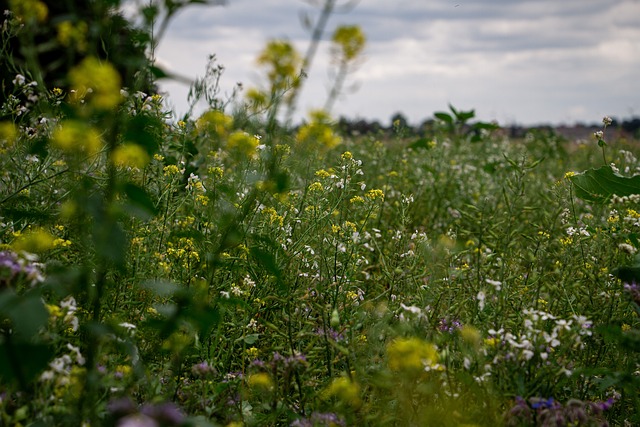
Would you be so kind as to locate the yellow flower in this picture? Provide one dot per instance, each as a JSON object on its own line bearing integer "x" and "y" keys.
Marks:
{"x": 170, "y": 170}
{"x": 214, "y": 122}
{"x": 491, "y": 342}
{"x": 54, "y": 310}
{"x": 242, "y": 143}
{"x": 346, "y": 155}
{"x": 470, "y": 335}
{"x": 349, "y": 40}
{"x": 130, "y": 155}
{"x": 29, "y": 10}
{"x": 322, "y": 174}
{"x": 216, "y": 171}
{"x": 318, "y": 132}
{"x": 123, "y": 370}
{"x": 345, "y": 390}
{"x": 316, "y": 186}
{"x": 69, "y": 34}
{"x": 8, "y": 135}
{"x": 566, "y": 241}
{"x": 202, "y": 199}
{"x": 37, "y": 240}
{"x": 375, "y": 194}
{"x": 283, "y": 64}
{"x": 411, "y": 355}
{"x": 256, "y": 98}
{"x": 101, "y": 78}
{"x": 633, "y": 213}
{"x": 569, "y": 174}
{"x": 61, "y": 243}
{"x": 350, "y": 226}
{"x": 260, "y": 381}
{"x": 74, "y": 135}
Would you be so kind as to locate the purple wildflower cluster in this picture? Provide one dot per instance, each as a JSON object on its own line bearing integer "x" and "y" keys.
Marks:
{"x": 448, "y": 325}
{"x": 278, "y": 360}
{"x": 319, "y": 419}
{"x": 634, "y": 292}
{"x": 331, "y": 333}
{"x": 13, "y": 268}
{"x": 203, "y": 370}
{"x": 128, "y": 414}
{"x": 551, "y": 413}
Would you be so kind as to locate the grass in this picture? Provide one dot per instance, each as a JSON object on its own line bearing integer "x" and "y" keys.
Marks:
{"x": 229, "y": 270}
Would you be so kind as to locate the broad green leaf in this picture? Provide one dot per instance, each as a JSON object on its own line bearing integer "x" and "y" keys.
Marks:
{"x": 249, "y": 339}
{"x": 444, "y": 117}
{"x": 161, "y": 288}
{"x": 23, "y": 362}
{"x": 27, "y": 313}
{"x": 140, "y": 200}
{"x": 599, "y": 185}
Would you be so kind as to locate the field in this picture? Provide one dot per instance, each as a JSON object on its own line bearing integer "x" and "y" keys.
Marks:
{"x": 228, "y": 269}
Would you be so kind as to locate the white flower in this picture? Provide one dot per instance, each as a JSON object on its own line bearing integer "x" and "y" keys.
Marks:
{"x": 466, "y": 363}
{"x": 481, "y": 297}
{"x": 76, "y": 351}
{"x": 495, "y": 283}
{"x": 528, "y": 354}
{"x": 19, "y": 80}
{"x": 69, "y": 304}
{"x": 253, "y": 324}
{"x": 627, "y": 248}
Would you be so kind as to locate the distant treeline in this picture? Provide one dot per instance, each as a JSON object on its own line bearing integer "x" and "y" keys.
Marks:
{"x": 627, "y": 127}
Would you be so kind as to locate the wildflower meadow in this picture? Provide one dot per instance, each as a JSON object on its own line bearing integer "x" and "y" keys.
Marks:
{"x": 234, "y": 268}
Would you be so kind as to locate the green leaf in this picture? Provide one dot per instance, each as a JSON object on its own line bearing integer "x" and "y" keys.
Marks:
{"x": 485, "y": 125}
{"x": 27, "y": 313}
{"x": 444, "y": 117}
{"x": 145, "y": 131}
{"x": 249, "y": 339}
{"x": 161, "y": 288}
{"x": 140, "y": 201}
{"x": 23, "y": 362}
{"x": 599, "y": 185}
{"x": 420, "y": 143}
{"x": 158, "y": 72}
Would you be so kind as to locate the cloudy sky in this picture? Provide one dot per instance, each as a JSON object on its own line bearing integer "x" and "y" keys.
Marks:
{"x": 514, "y": 61}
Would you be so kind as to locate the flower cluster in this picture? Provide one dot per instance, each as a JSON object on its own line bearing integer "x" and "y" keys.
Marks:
{"x": 549, "y": 412}
{"x": 541, "y": 339}
{"x": 14, "y": 267}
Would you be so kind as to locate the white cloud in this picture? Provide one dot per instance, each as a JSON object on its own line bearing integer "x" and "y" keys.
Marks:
{"x": 527, "y": 61}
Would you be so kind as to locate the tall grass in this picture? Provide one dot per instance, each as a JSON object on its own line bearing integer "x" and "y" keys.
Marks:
{"x": 232, "y": 269}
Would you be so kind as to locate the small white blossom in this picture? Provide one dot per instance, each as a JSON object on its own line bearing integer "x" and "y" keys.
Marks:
{"x": 481, "y": 297}
{"x": 19, "y": 80}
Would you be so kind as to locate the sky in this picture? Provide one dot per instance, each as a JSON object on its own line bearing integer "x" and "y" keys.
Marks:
{"x": 522, "y": 62}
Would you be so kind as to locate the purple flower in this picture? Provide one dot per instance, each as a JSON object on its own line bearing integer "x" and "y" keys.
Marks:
{"x": 295, "y": 361}
{"x": 202, "y": 369}
{"x": 449, "y": 326}
{"x": 122, "y": 406}
{"x": 166, "y": 413}
{"x": 634, "y": 291}
{"x": 137, "y": 420}
{"x": 539, "y": 403}
{"x": 12, "y": 266}
{"x": 319, "y": 419}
